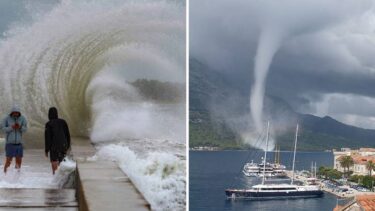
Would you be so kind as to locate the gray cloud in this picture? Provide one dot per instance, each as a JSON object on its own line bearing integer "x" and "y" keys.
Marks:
{"x": 333, "y": 54}
{"x": 22, "y": 12}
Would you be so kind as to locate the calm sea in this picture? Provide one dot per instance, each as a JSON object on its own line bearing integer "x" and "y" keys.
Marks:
{"x": 212, "y": 172}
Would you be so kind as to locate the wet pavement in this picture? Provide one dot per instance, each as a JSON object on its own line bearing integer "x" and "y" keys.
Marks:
{"x": 102, "y": 185}
{"x": 34, "y": 187}
{"x": 37, "y": 198}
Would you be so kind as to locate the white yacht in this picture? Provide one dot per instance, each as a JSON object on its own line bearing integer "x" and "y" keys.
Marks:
{"x": 271, "y": 170}
{"x": 276, "y": 190}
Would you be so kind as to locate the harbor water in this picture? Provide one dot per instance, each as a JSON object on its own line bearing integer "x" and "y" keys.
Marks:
{"x": 211, "y": 172}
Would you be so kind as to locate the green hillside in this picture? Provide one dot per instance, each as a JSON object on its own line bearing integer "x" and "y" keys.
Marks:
{"x": 208, "y": 87}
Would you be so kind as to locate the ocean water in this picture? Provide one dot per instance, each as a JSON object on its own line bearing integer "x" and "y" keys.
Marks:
{"x": 83, "y": 57}
{"x": 157, "y": 173}
{"x": 213, "y": 172}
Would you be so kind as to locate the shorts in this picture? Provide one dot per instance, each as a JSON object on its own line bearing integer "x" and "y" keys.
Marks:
{"x": 56, "y": 155}
{"x": 14, "y": 150}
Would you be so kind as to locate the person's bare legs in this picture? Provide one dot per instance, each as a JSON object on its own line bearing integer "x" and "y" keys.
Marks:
{"x": 8, "y": 161}
{"x": 18, "y": 162}
{"x": 54, "y": 165}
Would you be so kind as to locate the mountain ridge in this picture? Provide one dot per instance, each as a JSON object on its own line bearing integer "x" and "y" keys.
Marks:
{"x": 210, "y": 91}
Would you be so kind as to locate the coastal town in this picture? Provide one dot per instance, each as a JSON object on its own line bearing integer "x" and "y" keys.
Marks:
{"x": 351, "y": 179}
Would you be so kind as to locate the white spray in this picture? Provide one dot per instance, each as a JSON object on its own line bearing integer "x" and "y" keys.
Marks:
{"x": 83, "y": 57}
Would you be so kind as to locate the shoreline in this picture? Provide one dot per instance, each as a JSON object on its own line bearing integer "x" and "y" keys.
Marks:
{"x": 341, "y": 195}
{"x": 243, "y": 150}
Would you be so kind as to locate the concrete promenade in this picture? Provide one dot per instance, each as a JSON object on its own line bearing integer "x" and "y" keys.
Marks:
{"x": 33, "y": 191}
{"x": 100, "y": 185}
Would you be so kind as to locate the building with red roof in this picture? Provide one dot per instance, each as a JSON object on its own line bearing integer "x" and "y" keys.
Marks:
{"x": 365, "y": 202}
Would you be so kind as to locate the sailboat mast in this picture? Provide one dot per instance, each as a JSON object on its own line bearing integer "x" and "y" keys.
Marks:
{"x": 265, "y": 154}
{"x": 275, "y": 155}
{"x": 315, "y": 170}
{"x": 294, "y": 155}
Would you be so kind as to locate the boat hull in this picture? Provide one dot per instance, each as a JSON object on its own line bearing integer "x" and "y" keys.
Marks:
{"x": 264, "y": 195}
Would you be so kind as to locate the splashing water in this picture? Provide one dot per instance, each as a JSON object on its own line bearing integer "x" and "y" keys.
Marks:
{"x": 83, "y": 57}
{"x": 65, "y": 174}
{"x": 159, "y": 175}
{"x": 38, "y": 174}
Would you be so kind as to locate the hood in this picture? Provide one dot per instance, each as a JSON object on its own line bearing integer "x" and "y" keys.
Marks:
{"x": 15, "y": 108}
{"x": 52, "y": 113}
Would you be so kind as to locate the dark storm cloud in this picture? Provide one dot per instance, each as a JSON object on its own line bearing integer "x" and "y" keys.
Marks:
{"x": 328, "y": 49}
{"x": 314, "y": 66}
{"x": 294, "y": 85}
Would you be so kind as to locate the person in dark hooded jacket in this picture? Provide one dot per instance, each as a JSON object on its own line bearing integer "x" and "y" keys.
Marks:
{"x": 57, "y": 139}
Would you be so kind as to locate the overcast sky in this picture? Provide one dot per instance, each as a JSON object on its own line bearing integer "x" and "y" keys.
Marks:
{"x": 326, "y": 61}
{"x": 18, "y": 12}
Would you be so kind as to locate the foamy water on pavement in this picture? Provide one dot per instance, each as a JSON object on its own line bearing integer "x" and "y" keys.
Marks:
{"x": 35, "y": 172}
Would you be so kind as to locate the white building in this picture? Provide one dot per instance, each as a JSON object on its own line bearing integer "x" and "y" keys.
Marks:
{"x": 360, "y": 158}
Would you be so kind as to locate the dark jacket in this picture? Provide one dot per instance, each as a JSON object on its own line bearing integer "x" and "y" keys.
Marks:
{"x": 57, "y": 136}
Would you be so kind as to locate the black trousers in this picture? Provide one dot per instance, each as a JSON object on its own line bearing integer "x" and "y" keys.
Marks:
{"x": 56, "y": 155}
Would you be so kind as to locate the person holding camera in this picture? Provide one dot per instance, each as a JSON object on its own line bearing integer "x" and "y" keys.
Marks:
{"x": 14, "y": 125}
